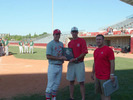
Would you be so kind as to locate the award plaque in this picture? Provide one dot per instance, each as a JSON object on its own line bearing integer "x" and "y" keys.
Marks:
{"x": 68, "y": 53}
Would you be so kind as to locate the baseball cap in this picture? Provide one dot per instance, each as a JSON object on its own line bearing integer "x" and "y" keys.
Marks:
{"x": 56, "y": 31}
{"x": 74, "y": 29}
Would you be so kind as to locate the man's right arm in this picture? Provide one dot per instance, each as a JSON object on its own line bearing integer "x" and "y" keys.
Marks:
{"x": 55, "y": 58}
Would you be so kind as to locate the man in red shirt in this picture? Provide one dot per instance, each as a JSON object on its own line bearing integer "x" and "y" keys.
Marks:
{"x": 103, "y": 66}
{"x": 76, "y": 67}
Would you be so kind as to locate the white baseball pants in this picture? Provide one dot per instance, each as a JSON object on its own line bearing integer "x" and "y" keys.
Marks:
{"x": 26, "y": 49}
{"x": 54, "y": 77}
{"x": 1, "y": 50}
{"x": 31, "y": 49}
{"x": 20, "y": 49}
{"x": 6, "y": 50}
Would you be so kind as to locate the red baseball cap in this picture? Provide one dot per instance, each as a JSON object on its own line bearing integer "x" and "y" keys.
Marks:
{"x": 56, "y": 31}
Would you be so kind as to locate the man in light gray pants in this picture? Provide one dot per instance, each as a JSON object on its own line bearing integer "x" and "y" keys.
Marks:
{"x": 55, "y": 58}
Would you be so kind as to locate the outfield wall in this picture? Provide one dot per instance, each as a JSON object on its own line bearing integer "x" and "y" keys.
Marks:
{"x": 35, "y": 44}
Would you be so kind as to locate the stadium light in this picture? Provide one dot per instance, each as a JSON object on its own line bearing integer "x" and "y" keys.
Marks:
{"x": 52, "y": 15}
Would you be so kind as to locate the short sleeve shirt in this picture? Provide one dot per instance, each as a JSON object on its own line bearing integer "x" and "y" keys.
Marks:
{"x": 20, "y": 43}
{"x": 31, "y": 43}
{"x": 6, "y": 42}
{"x": 0, "y": 43}
{"x": 55, "y": 49}
{"x": 78, "y": 46}
{"x": 102, "y": 57}
{"x": 3, "y": 42}
{"x": 26, "y": 43}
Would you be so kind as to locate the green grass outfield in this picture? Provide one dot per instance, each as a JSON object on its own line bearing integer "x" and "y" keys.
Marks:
{"x": 38, "y": 54}
{"x": 123, "y": 69}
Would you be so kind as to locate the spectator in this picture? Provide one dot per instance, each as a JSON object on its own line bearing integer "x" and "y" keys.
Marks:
{"x": 1, "y": 49}
{"x": 122, "y": 30}
{"x": 110, "y": 30}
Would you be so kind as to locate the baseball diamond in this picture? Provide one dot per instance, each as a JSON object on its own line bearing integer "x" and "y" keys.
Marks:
{"x": 22, "y": 76}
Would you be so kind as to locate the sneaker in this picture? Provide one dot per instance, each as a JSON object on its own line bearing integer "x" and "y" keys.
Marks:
{"x": 54, "y": 98}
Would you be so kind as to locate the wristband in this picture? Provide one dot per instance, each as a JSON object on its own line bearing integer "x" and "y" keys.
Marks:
{"x": 112, "y": 74}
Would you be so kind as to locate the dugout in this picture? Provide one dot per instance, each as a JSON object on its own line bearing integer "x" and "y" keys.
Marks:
{"x": 116, "y": 41}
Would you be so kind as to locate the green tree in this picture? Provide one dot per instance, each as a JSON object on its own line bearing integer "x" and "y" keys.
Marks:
{"x": 35, "y": 35}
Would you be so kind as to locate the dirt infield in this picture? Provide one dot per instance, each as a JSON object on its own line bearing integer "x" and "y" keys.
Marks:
{"x": 22, "y": 77}
{"x": 26, "y": 77}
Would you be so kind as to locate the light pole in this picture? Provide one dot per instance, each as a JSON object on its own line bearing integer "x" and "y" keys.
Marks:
{"x": 52, "y": 15}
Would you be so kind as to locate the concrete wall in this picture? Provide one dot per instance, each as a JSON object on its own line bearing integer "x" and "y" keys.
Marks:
{"x": 114, "y": 41}
{"x": 119, "y": 41}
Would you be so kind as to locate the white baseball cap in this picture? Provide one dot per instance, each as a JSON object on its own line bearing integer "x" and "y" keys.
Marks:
{"x": 74, "y": 29}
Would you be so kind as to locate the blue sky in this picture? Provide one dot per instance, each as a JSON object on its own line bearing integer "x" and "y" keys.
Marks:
{"x": 22, "y": 17}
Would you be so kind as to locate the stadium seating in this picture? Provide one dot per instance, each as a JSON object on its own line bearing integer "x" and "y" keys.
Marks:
{"x": 131, "y": 32}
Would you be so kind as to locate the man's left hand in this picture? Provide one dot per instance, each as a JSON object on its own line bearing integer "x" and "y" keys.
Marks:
{"x": 112, "y": 78}
{"x": 73, "y": 59}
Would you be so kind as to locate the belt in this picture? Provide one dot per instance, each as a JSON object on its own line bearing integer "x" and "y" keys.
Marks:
{"x": 76, "y": 62}
{"x": 57, "y": 64}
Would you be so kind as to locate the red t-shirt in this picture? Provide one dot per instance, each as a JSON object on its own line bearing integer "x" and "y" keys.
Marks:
{"x": 102, "y": 57}
{"x": 78, "y": 46}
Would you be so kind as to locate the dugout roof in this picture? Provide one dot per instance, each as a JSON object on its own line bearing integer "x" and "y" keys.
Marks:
{"x": 128, "y": 1}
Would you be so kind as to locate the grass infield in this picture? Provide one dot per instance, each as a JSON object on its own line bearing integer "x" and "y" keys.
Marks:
{"x": 123, "y": 70}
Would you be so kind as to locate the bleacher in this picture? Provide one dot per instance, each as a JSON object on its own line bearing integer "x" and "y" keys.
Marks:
{"x": 123, "y": 28}
{"x": 47, "y": 39}
{"x": 125, "y": 25}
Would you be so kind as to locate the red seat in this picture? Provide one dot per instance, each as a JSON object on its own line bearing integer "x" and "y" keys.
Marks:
{"x": 131, "y": 32}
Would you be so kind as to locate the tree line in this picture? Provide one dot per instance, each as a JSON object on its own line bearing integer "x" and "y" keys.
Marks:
{"x": 21, "y": 37}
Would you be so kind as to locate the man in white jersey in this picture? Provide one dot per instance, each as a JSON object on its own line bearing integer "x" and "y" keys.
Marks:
{"x": 1, "y": 49}
{"x": 31, "y": 44}
{"x": 55, "y": 58}
{"x": 26, "y": 46}
{"x": 6, "y": 47}
{"x": 21, "y": 47}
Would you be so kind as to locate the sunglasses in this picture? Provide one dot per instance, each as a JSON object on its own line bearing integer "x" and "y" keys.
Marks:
{"x": 74, "y": 32}
{"x": 57, "y": 34}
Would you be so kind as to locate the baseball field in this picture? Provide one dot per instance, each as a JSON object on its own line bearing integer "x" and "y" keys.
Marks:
{"x": 24, "y": 77}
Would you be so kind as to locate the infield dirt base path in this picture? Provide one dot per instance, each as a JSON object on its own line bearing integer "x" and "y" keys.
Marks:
{"x": 26, "y": 77}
